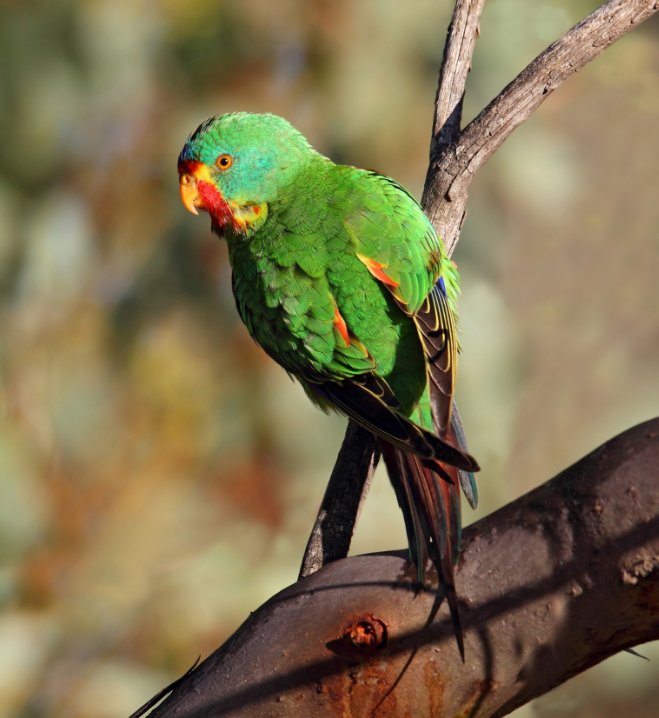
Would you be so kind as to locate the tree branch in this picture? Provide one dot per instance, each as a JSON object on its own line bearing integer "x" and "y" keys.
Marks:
{"x": 355, "y": 639}
{"x": 348, "y": 484}
{"x": 453, "y": 166}
{"x": 456, "y": 63}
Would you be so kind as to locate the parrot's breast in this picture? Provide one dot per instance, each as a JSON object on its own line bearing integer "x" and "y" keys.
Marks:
{"x": 322, "y": 316}
{"x": 288, "y": 310}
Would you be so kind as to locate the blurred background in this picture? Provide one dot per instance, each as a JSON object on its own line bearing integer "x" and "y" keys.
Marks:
{"x": 158, "y": 473}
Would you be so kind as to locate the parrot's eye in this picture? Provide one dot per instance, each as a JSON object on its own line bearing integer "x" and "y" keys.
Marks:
{"x": 223, "y": 162}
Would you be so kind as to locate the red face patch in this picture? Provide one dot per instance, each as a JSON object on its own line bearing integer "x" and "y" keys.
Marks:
{"x": 215, "y": 204}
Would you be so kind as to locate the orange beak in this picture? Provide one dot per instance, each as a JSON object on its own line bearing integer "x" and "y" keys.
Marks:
{"x": 190, "y": 174}
{"x": 189, "y": 194}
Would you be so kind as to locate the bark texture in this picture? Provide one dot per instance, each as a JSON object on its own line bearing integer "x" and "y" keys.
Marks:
{"x": 551, "y": 584}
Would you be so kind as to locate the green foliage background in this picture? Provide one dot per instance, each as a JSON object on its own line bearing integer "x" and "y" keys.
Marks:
{"x": 158, "y": 474}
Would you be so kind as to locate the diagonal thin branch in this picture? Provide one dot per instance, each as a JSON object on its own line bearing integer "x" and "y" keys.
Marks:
{"x": 348, "y": 485}
{"x": 583, "y": 43}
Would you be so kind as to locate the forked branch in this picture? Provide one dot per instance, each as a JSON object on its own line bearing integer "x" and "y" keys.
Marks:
{"x": 454, "y": 164}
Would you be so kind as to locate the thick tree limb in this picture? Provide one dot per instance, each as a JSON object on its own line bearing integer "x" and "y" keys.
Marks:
{"x": 553, "y": 583}
{"x": 454, "y": 159}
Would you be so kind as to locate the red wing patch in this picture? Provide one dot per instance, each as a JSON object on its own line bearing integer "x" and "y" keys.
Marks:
{"x": 377, "y": 270}
{"x": 341, "y": 326}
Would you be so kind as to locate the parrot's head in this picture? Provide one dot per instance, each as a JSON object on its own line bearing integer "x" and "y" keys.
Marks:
{"x": 234, "y": 165}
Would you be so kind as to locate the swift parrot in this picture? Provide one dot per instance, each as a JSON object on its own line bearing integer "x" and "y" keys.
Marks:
{"x": 340, "y": 277}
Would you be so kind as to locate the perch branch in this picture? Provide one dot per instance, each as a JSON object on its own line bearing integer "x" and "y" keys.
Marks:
{"x": 551, "y": 584}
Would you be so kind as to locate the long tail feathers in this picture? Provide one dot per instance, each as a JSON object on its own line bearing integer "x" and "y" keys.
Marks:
{"x": 430, "y": 501}
{"x": 456, "y": 436}
{"x": 428, "y": 492}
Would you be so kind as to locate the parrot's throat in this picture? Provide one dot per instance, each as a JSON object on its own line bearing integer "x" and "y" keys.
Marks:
{"x": 215, "y": 204}
{"x": 230, "y": 216}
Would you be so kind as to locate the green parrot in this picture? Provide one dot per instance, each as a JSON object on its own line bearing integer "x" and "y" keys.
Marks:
{"x": 342, "y": 280}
